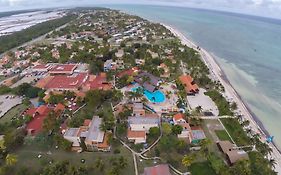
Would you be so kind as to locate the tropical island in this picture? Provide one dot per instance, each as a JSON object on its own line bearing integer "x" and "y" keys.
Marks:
{"x": 104, "y": 92}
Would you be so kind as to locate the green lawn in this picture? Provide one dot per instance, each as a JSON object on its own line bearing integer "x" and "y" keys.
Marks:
{"x": 222, "y": 135}
{"x": 236, "y": 131}
{"x": 202, "y": 168}
{"x": 28, "y": 156}
{"x": 2, "y": 77}
{"x": 14, "y": 112}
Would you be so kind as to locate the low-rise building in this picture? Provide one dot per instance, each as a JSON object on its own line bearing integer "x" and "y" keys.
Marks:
{"x": 38, "y": 115}
{"x": 190, "y": 86}
{"x": 233, "y": 154}
{"x": 63, "y": 69}
{"x": 143, "y": 123}
{"x": 162, "y": 169}
{"x": 90, "y": 134}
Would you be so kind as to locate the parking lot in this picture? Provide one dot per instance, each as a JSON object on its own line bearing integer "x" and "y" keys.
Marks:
{"x": 204, "y": 101}
{"x": 7, "y": 102}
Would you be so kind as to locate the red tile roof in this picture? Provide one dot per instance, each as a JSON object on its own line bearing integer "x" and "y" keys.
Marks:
{"x": 63, "y": 82}
{"x": 87, "y": 122}
{"x": 97, "y": 82}
{"x": 63, "y": 69}
{"x": 60, "y": 107}
{"x": 42, "y": 110}
{"x": 40, "y": 66}
{"x": 178, "y": 116}
{"x": 128, "y": 72}
{"x": 35, "y": 125}
{"x": 135, "y": 134}
{"x": 190, "y": 86}
{"x": 157, "y": 170}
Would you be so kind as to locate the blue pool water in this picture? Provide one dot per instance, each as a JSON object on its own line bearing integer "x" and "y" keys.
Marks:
{"x": 154, "y": 97}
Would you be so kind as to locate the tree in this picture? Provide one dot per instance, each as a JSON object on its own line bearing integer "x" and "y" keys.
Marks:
{"x": 199, "y": 109}
{"x": 11, "y": 159}
{"x": 14, "y": 139}
{"x": 122, "y": 162}
{"x": 50, "y": 122}
{"x": 99, "y": 164}
{"x": 205, "y": 143}
{"x": 166, "y": 128}
{"x": 187, "y": 160}
{"x": 177, "y": 129}
{"x": 241, "y": 167}
{"x": 154, "y": 132}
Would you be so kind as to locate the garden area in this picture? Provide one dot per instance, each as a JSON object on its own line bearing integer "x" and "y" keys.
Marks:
{"x": 37, "y": 158}
{"x": 222, "y": 135}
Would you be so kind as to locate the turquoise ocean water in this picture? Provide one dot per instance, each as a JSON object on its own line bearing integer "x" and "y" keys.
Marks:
{"x": 247, "y": 48}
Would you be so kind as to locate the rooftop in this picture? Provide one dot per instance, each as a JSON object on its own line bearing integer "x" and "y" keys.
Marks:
{"x": 162, "y": 169}
{"x": 63, "y": 68}
{"x": 190, "y": 86}
{"x": 143, "y": 120}
{"x": 94, "y": 133}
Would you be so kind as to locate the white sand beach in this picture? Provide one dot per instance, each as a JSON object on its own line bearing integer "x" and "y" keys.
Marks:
{"x": 230, "y": 93}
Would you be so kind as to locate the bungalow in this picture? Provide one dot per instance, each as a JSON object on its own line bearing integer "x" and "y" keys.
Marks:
{"x": 186, "y": 133}
{"x": 130, "y": 72}
{"x": 233, "y": 154}
{"x": 143, "y": 123}
{"x": 108, "y": 65}
{"x": 59, "y": 109}
{"x": 138, "y": 109}
{"x": 120, "y": 53}
{"x": 63, "y": 69}
{"x": 190, "y": 86}
{"x": 90, "y": 134}
{"x": 38, "y": 115}
{"x": 139, "y": 126}
{"x": 148, "y": 81}
{"x": 162, "y": 169}
{"x": 166, "y": 73}
{"x": 136, "y": 136}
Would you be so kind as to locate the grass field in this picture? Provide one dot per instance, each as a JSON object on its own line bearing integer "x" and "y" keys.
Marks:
{"x": 202, "y": 168}
{"x": 236, "y": 131}
{"x": 222, "y": 135}
{"x": 28, "y": 156}
{"x": 14, "y": 112}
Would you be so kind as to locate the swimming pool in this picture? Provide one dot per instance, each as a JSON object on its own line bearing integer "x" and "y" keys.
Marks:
{"x": 154, "y": 97}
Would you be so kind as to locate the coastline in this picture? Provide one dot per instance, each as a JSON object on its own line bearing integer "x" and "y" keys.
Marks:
{"x": 231, "y": 94}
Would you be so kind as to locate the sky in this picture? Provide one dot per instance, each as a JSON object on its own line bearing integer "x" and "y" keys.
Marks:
{"x": 268, "y": 8}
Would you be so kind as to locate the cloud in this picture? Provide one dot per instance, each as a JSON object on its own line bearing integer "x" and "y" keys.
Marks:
{"x": 270, "y": 8}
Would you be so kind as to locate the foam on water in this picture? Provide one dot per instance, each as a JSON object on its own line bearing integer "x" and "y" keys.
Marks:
{"x": 249, "y": 46}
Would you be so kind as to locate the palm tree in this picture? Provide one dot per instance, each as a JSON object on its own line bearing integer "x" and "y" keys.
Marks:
{"x": 122, "y": 162}
{"x": 11, "y": 159}
{"x": 272, "y": 162}
{"x": 199, "y": 109}
{"x": 205, "y": 143}
{"x": 99, "y": 164}
{"x": 187, "y": 160}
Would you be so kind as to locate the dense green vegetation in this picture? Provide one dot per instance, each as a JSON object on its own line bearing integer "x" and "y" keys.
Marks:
{"x": 18, "y": 38}
{"x": 24, "y": 89}
{"x": 236, "y": 131}
{"x": 202, "y": 168}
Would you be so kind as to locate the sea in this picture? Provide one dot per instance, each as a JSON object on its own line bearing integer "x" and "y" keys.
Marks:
{"x": 248, "y": 49}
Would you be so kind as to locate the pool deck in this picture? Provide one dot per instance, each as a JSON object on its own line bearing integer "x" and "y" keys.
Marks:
{"x": 170, "y": 102}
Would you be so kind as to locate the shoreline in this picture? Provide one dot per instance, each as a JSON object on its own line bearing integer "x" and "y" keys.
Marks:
{"x": 231, "y": 94}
